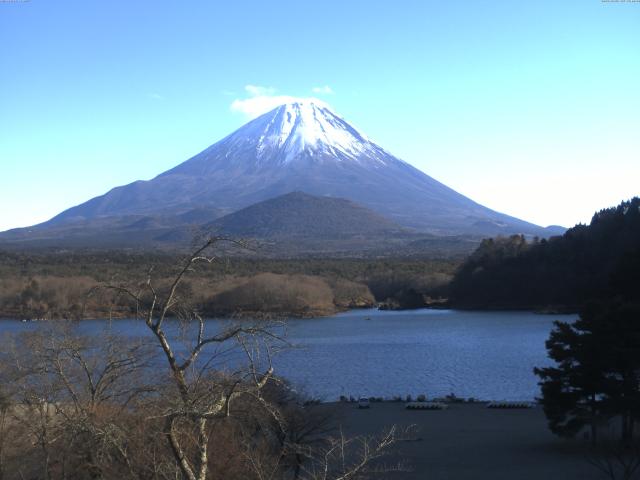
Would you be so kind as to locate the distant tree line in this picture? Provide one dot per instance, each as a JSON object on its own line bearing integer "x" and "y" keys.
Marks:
{"x": 54, "y": 284}
{"x": 598, "y": 261}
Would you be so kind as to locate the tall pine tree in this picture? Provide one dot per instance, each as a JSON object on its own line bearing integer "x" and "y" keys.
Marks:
{"x": 597, "y": 372}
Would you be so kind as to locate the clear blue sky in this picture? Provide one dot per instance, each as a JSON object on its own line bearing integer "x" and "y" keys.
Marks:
{"x": 529, "y": 107}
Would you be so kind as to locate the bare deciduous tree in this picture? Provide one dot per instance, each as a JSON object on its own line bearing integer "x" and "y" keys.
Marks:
{"x": 190, "y": 399}
{"x": 345, "y": 458}
{"x": 71, "y": 394}
{"x": 616, "y": 460}
{"x": 5, "y": 405}
{"x": 203, "y": 395}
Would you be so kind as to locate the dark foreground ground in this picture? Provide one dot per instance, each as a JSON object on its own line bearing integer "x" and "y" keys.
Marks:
{"x": 470, "y": 441}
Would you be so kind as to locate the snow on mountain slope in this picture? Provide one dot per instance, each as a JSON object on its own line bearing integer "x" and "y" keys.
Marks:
{"x": 302, "y": 146}
{"x": 309, "y": 127}
{"x": 292, "y": 133}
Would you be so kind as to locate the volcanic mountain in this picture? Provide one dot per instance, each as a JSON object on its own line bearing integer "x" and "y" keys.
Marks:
{"x": 302, "y": 146}
{"x": 298, "y": 214}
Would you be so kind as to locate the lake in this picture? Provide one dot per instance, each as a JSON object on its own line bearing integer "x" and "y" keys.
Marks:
{"x": 485, "y": 355}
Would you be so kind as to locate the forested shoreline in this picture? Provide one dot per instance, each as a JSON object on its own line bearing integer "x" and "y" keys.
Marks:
{"x": 561, "y": 274}
{"x": 589, "y": 262}
{"x": 57, "y": 284}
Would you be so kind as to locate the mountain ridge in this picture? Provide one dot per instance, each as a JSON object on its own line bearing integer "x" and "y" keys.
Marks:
{"x": 293, "y": 225}
{"x": 297, "y": 147}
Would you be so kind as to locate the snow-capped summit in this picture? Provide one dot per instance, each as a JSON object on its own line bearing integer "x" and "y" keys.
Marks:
{"x": 302, "y": 146}
{"x": 308, "y": 127}
{"x": 304, "y": 130}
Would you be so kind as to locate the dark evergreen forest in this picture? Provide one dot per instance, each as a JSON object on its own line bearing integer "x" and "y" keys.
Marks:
{"x": 589, "y": 262}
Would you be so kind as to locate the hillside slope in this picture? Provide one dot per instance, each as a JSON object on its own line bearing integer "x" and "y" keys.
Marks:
{"x": 302, "y": 215}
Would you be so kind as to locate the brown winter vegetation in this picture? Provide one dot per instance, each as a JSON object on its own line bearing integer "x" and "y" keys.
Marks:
{"x": 55, "y": 285}
{"x": 299, "y": 295}
{"x": 187, "y": 400}
{"x": 82, "y": 408}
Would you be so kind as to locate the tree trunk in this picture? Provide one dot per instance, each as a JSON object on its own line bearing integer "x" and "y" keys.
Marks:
{"x": 178, "y": 453}
{"x": 203, "y": 444}
{"x": 594, "y": 420}
{"x": 626, "y": 428}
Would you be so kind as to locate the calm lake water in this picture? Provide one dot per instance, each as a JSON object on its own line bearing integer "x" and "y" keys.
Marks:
{"x": 486, "y": 355}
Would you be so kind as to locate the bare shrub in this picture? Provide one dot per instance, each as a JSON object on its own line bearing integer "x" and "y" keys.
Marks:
{"x": 44, "y": 296}
{"x": 270, "y": 292}
{"x": 350, "y": 294}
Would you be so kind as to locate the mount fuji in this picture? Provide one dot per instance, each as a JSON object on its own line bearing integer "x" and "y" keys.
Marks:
{"x": 297, "y": 147}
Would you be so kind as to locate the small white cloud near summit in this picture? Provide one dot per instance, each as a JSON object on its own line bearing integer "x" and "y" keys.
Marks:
{"x": 326, "y": 90}
{"x": 264, "y": 99}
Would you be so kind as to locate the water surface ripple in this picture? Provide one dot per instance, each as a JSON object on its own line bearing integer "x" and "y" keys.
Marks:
{"x": 486, "y": 355}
